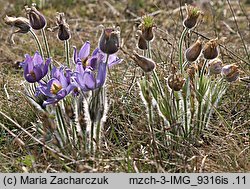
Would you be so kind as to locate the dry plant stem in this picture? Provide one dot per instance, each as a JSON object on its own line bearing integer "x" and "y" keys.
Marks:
{"x": 37, "y": 42}
{"x": 244, "y": 12}
{"x": 46, "y": 43}
{"x": 238, "y": 31}
{"x": 180, "y": 48}
{"x": 38, "y": 141}
{"x": 11, "y": 133}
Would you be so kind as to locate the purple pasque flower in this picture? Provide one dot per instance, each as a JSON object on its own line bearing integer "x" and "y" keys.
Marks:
{"x": 83, "y": 57}
{"x": 34, "y": 67}
{"x": 91, "y": 70}
{"x": 83, "y": 54}
{"x": 87, "y": 79}
{"x": 58, "y": 87}
{"x": 98, "y": 56}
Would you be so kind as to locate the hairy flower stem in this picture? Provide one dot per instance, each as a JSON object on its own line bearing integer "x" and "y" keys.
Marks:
{"x": 149, "y": 104}
{"x": 37, "y": 42}
{"x": 203, "y": 70}
{"x": 101, "y": 92}
{"x": 46, "y": 43}
{"x": 60, "y": 126}
{"x": 155, "y": 77}
{"x": 150, "y": 107}
{"x": 64, "y": 126}
{"x": 66, "y": 44}
{"x": 158, "y": 84}
{"x": 180, "y": 48}
{"x": 185, "y": 96}
{"x": 98, "y": 105}
{"x": 92, "y": 137}
{"x": 149, "y": 50}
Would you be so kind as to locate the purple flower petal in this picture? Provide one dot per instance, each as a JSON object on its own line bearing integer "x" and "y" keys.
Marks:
{"x": 46, "y": 66}
{"x": 93, "y": 62}
{"x": 61, "y": 94}
{"x": 75, "y": 54}
{"x": 97, "y": 50}
{"x": 29, "y": 65}
{"x": 70, "y": 87}
{"x": 37, "y": 59}
{"x": 79, "y": 68}
{"x": 89, "y": 81}
{"x": 63, "y": 80}
{"x": 68, "y": 75}
{"x": 112, "y": 58}
{"x": 47, "y": 91}
{"x": 101, "y": 76}
{"x": 30, "y": 78}
{"x": 84, "y": 51}
{"x": 28, "y": 58}
{"x": 50, "y": 101}
{"x": 38, "y": 73}
{"x": 34, "y": 68}
{"x": 33, "y": 75}
{"x": 118, "y": 61}
{"x": 86, "y": 80}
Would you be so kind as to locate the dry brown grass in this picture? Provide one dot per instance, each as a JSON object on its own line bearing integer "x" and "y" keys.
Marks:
{"x": 127, "y": 146}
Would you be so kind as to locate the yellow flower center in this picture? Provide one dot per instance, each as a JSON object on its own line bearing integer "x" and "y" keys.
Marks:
{"x": 85, "y": 62}
{"x": 55, "y": 88}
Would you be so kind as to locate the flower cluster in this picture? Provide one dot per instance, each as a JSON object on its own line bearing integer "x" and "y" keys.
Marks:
{"x": 89, "y": 73}
{"x": 87, "y": 66}
{"x": 215, "y": 65}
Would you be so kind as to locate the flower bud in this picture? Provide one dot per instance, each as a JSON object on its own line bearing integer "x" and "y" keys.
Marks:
{"x": 147, "y": 28}
{"x": 37, "y": 20}
{"x": 193, "y": 52}
{"x": 64, "y": 31}
{"x": 193, "y": 13}
{"x": 230, "y": 72}
{"x": 142, "y": 43}
{"x": 109, "y": 40}
{"x": 176, "y": 82}
{"x": 146, "y": 64}
{"x": 210, "y": 50}
{"x": 20, "y": 22}
{"x": 215, "y": 66}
